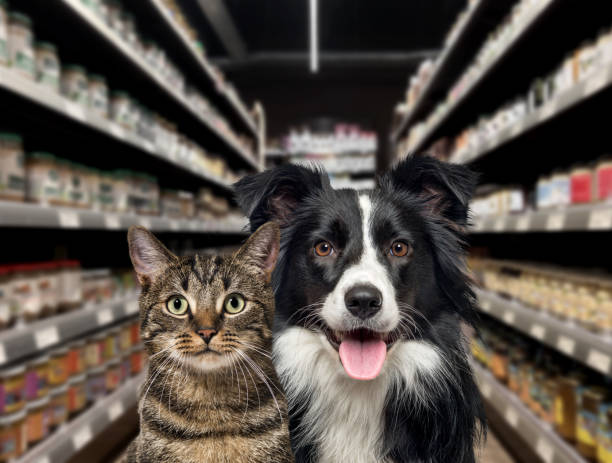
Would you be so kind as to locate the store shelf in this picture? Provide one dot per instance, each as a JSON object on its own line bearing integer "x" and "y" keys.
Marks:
{"x": 564, "y": 102}
{"x": 77, "y": 433}
{"x": 42, "y": 96}
{"x": 16, "y": 214}
{"x": 569, "y": 338}
{"x": 104, "y": 31}
{"x": 233, "y": 103}
{"x": 517, "y": 37}
{"x": 475, "y": 25}
{"x": 590, "y": 217}
{"x": 540, "y": 436}
{"x": 23, "y": 341}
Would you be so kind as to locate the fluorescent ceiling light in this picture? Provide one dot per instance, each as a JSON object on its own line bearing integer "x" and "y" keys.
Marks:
{"x": 314, "y": 36}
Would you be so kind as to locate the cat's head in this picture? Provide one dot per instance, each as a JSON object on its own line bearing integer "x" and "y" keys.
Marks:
{"x": 205, "y": 312}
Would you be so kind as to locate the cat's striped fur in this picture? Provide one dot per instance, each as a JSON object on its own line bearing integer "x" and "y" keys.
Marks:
{"x": 197, "y": 405}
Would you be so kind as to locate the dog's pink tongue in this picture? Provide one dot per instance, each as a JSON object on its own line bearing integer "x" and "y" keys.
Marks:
{"x": 362, "y": 359}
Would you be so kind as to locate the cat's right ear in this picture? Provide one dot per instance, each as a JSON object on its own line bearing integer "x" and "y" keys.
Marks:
{"x": 274, "y": 195}
{"x": 261, "y": 249}
{"x": 149, "y": 256}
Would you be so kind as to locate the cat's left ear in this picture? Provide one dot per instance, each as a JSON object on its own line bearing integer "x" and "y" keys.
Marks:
{"x": 149, "y": 256}
{"x": 261, "y": 249}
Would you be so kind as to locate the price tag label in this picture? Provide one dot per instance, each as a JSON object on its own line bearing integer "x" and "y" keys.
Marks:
{"x": 522, "y": 223}
{"x": 149, "y": 146}
{"x": 69, "y": 219}
{"x": 509, "y": 317}
{"x": 174, "y": 225}
{"x": 512, "y": 416}
{"x": 546, "y": 111}
{"x": 131, "y": 307}
{"x": 499, "y": 224}
{"x": 117, "y": 131}
{"x": 145, "y": 223}
{"x": 599, "y": 361}
{"x": 112, "y": 221}
{"x": 516, "y": 129}
{"x": 2, "y": 354}
{"x": 600, "y": 219}
{"x": 81, "y": 438}
{"x": 537, "y": 331}
{"x": 545, "y": 450}
{"x": 596, "y": 82}
{"x": 46, "y": 337}
{"x": 75, "y": 110}
{"x": 115, "y": 411}
{"x": 104, "y": 316}
{"x": 566, "y": 345}
{"x": 485, "y": 305}
{"x": 485, "y": 389}
{"x": 555, "y": 221}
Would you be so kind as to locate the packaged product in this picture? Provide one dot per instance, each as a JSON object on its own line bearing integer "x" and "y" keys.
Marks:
{"x": 58, "y": 406}
{"x": 136, "y": 359}
{"x": 21, "y": 44}
{"x": 12, "y": 167}
{"x": 74, "y": 83}
{"x": 43, "y": 179}
{"x": 581, "y": 180}
{"x": 111, "y": 343}
{"x": 38, "y": 420}
{"x": 77, "y": 358}
{"x": 48, "y": 287}
{"x": 47, "y": 65}
{"x": 70, "y": 286}
{"x": 7, "y": 313}
{"x": 95, "y": 386}
{"x": 37, "y": 378}
{"x": 603, "y": 180}
{"x": 590, "y": 401}
{"x": 12, "y": 389}
{"x": 120, "y": 109}
{"x": 58, "y": 367}
{"x": 75, "y": 187}
{"x": 94, "y": 351}
{"x": 106, "y": 196}
{"x": 13, "y": 437}
{"x": 98, "y": 95}
{"x": 113, "y": 374}
{"x": 24, "y": 292}
{"x": 77, "y": 394}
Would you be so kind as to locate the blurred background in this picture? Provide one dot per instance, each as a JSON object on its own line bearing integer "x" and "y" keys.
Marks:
{"x": 146, "y": 111}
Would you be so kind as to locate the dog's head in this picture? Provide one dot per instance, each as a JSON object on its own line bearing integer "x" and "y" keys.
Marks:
{"x": 366, "y": 270}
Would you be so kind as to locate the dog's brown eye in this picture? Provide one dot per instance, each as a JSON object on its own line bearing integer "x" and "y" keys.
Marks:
{"x": 400, "y": 249}
{"x": 323, "y": 249}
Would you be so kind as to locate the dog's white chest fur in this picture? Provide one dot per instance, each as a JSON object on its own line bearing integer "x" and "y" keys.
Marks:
{"x": 345, "y": 417}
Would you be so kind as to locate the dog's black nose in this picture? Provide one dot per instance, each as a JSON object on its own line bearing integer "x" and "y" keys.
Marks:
{"x": 363, "y": 301}
{"x": 206, "y": 334}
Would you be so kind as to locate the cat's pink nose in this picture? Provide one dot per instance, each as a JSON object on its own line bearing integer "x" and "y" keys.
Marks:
{"x": 206, "y": 334}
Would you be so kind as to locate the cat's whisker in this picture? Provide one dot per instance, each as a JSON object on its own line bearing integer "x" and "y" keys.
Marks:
{"x": 246, "y": 407}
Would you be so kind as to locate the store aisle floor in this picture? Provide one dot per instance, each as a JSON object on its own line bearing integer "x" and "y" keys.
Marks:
{"x": 494, "y": 452}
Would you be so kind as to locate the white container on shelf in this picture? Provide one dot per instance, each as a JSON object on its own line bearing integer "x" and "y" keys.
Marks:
{"x": 21, "y": 44}
{"x": 47, "y": 65}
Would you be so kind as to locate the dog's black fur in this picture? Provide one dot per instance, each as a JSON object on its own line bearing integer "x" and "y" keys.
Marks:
{"x": 422, "y": 201}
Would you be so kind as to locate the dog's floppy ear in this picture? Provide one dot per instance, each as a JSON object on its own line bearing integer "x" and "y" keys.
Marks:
{"x": 274, "y": 195}
{"x": 445, "y": 188}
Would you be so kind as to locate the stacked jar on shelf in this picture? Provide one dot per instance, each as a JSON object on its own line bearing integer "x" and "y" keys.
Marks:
{"x": 581, "y": 297}
{"x": 47, "y": 391}
{"x": 29, "y": 292}
{"x": 39, "y": 61}
{"x": 563, "y": 394}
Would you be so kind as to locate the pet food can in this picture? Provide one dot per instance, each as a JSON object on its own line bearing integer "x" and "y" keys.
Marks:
{"x": 94, "y": 352}
{"x": 47, "y": 65}
{"x": 43, "y": 184}
{"x": 3, "y": 32}
{"x": 581, "y": 184}
{"x": 136, "y": 359}
{"x": 58, "y": 404}
{"x": 21, "y": 44}
{"x": 98, "y": 95}
{"x": 77, "y": 394}
{"x": 12, "y": 389}
{"x": 38, "y": 420}
{"x": 113, "y": 374}
{"x": 74, "y": 83}
{"x": 96, "y": 384}
{"x": 111, "y": 344}
{"x": 125, "y": 338}
{"x": 13, "y": 436}
{"x": 37, "y": 378}
{"x": 12, "y": 167}
{"x": 77, "y": 358}
{"x": 590, "y": 400}
{"x": 58, "y": 367}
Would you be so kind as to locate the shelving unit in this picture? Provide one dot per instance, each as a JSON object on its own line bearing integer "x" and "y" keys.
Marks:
{"x": 227, "y": 99}
{"x": 23, "y": 341}
{"x": 591, "y": 217}
{"x": 74, "y": 112}
{"x": 534, "y": 432}
{"x": 475, "y": 25}
{"x": 15, "y": 214}
{"x": 568, "y": 338}
{"x": 110, "y": 37}
{"x": 77, "y": 433}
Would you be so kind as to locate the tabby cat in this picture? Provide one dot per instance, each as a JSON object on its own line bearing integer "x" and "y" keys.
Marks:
{"x": 211, "y": 393}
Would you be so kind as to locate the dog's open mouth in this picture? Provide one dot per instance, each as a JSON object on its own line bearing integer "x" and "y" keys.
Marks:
{"x": 362, "y": 352}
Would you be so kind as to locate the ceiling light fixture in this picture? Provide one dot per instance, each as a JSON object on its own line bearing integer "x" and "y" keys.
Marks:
{"x": 314, "y": 36}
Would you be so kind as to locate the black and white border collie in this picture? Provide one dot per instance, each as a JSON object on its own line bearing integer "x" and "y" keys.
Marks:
{"x": 371, "y": 295}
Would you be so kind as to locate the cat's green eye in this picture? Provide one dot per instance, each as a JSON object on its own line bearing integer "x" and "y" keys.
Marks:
{"x": 177, "y": 305}
{"x": 234, "y": 303}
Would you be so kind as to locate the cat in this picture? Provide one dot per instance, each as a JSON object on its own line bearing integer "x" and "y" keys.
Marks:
{"x": 211, "y": 392}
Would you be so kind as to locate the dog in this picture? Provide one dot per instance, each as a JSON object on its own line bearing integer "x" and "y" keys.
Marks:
{"x": 371, "y": 296}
